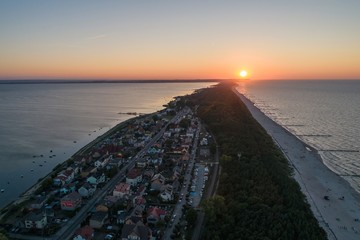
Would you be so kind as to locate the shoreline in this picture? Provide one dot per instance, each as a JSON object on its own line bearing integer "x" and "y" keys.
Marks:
{"x": 339, "y": 215}
{"x": 27, "y": 193}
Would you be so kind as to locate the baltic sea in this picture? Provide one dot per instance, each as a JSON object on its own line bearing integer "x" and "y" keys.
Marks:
{"x": 324, "y": 114}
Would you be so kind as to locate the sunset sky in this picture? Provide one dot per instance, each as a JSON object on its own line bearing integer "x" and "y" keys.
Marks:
{"x": 277, "y": 39}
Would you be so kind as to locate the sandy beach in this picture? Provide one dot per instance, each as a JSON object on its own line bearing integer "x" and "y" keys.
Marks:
{"x": 339, "y": 214}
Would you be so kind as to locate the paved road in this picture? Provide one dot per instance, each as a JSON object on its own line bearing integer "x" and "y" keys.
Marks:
{"x": 111, "y": 184}
{"x": 214, "y": 178}
{"x": 69, "y": 228}
{"x": 178, "y": 207}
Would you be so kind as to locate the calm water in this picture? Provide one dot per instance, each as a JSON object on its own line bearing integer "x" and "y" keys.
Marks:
{"x": 324, "y": 114}
{"x": 38, "y": 118}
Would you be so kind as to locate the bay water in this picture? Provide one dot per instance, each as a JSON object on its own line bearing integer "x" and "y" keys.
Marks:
{"x": 56, "y": 120}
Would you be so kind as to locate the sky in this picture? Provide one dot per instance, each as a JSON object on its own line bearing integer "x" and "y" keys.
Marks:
{"x": 187, "y": 39}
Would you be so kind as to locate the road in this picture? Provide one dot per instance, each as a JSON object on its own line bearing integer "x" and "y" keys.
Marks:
{"x": 178, "y": 207}
{"x": 75, "y": 222}
{"x": 214, "y": 178}
{"x": 69, "y": 228}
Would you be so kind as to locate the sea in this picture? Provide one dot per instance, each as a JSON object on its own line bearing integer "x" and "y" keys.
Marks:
{"x": 54, "y": 120}
{"x": 322, "y": 113}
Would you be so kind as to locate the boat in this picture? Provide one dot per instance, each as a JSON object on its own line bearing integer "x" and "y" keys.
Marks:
{"x": 2, "y": 190}
{"x": 31, "y": 170}
{"x": 22, "y": 176}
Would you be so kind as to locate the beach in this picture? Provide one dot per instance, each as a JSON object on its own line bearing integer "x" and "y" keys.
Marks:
{"x": 335, "y": 204}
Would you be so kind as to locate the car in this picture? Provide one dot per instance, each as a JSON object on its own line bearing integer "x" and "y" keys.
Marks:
{"x": 109, "y": 236}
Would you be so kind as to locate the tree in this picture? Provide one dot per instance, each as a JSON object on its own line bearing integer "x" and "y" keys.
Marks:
{"x": 191, "y": 216}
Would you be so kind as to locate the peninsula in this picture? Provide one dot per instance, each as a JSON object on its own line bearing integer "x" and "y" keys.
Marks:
{"x": 202, "y": 168}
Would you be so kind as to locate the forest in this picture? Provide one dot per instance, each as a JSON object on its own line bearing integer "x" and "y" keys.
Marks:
{"x": 257, "y": 198}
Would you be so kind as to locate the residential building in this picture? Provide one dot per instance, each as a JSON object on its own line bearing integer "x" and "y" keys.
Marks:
{"x": 84, "y": 233}
{"x": 71, "y": 201}
{"x": 36, "y": 220}
{"x": 97, "y": 220}
{"x": 96, "y": 178}
{"x": 134, "y": 177}
{"x": 136, "y": 231}
{"x": 155, "y": 214}
{"x": 121, "y": 190}
{"x": 87, "y": 190}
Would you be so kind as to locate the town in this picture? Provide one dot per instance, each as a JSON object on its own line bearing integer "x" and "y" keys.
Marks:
{"x": 145, "y": 180}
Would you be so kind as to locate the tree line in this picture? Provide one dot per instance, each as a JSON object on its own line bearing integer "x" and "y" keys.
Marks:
{"x": 257, "y": 196}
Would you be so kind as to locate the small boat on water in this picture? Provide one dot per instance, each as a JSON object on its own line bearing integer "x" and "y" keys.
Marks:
{"x": 40, "y": 165}
{"x": 2, "y": 190}
{"x": 74, "y": 141}
{"x": 22, "y": 176}
{"x": 31, "y": 170}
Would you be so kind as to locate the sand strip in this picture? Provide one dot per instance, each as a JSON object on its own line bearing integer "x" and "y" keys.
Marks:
{"x": 340, "y": 214}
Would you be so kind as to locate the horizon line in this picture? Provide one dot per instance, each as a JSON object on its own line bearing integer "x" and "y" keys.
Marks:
{"x": 68, "y": 80}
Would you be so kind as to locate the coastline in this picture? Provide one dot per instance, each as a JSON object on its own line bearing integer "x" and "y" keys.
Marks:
{"x": 338, "y": 215}
{"x": 23, "y": 197}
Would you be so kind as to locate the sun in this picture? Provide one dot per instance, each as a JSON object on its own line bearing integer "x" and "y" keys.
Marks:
{"x": 243, "y": 73}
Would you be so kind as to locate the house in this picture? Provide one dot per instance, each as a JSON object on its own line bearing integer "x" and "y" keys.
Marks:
{"x": 36, "y": 220}
{"x": 84, "y": 233}
{"x": 102, "y": 208}
{"x": 157, "y": 182}
{"x": 65, "y": 177}
{"x": 115, "y": 162}
{"x": 87, "y": 190}
{"x": 155, "y": 214}
{"x": 141, "y": 163}
{"x": 139, "y": 200}
{"x": 134, "y": 177}
{"x": 148, "y": 174}
{"x": 154, "y": 150}
{"x": 121, "y": 190}
{"x": 136, "y": 231}
{"x": 167, "y": 134}
{"x": 96, "y": 178}
{"x": 38, "y": 202}
{"x": 167, "y": 194}
{"x": 136, "y": 215}
{"x": 97, "y": 220}
{"x": 71, "y": 201}
{"x": 102, "y": 162}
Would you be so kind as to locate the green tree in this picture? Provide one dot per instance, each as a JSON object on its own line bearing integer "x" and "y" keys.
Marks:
{"x": 191, "y": 216}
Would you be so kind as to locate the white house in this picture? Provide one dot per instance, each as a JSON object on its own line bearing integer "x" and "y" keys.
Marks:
{"x": 35, "y": 220}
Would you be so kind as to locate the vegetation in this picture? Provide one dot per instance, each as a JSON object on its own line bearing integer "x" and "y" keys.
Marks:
{"x": 258, "y": 198}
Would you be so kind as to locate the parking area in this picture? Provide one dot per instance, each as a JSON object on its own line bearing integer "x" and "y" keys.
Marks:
{"x": 198, "y": 183}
